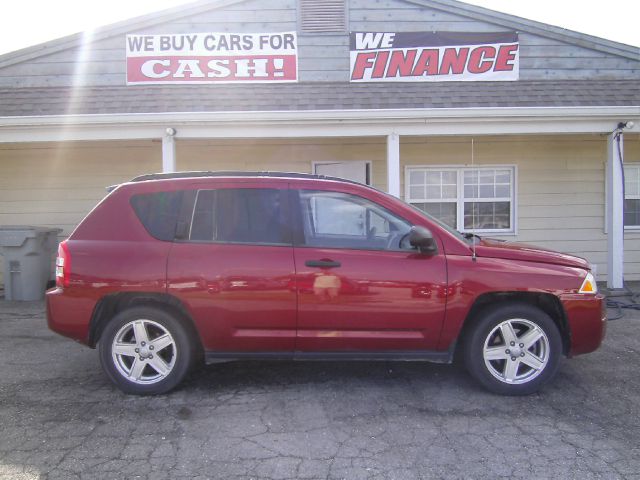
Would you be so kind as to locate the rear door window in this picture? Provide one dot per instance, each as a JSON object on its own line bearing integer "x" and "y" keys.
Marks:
{"x": 241, "y": 215}
{"x": 158, "y": 212}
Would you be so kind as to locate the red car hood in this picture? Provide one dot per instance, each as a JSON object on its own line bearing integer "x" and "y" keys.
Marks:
{"x": 488, "y": 247}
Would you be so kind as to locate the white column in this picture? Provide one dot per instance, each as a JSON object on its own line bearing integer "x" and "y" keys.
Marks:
{"x": 169, "y": 151}
{"x": 615, "y": 211}
{"x": 393, "y": 164}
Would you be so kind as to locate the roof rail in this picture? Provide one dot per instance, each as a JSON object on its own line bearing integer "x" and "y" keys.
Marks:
{"x": 200, "y": 174}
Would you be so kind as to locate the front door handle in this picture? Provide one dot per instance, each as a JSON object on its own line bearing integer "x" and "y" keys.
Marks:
{"x": 322, "y": 263}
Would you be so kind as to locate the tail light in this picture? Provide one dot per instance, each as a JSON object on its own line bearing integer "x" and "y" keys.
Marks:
{"x": 63, "y": 265}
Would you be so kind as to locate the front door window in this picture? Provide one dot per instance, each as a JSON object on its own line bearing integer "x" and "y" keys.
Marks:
{"x": 342, "y": 220}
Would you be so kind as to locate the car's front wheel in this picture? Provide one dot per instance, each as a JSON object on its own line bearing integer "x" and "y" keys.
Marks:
{"x": 513, "y": 349}
{"x": 145, "y": 351}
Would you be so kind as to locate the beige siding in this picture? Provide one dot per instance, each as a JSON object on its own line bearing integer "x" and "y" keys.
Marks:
{"x": 560, "y": 187}
{"x": 282, "y": 155}
{"x": 56, "y": 185}
{"x": 560, "y": 179}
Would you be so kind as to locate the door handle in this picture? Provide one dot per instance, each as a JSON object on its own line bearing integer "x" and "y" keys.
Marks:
{"x": 322, "y": 263}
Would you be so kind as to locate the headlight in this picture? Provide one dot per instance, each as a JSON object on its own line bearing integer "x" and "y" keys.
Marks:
{"x": 589, "y": 285}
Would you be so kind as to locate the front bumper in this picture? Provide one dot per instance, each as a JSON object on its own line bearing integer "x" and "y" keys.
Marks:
{"x": 587, "y": 321}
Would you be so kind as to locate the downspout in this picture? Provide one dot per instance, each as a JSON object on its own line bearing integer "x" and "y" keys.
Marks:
{"x": 615, "y": 207}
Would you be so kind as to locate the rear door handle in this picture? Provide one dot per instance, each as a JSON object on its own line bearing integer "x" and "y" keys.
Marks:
{"x": 322, "y": 263}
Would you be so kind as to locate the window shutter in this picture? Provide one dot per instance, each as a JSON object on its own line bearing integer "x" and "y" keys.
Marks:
{"x": 319, "y": 16}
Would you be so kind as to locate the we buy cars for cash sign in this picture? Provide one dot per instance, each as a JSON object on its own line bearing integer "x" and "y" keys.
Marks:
{"x": 434, "y": 56}
{"x": 212, "y": 58}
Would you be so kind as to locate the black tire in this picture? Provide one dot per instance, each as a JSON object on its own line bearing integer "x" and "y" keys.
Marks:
{"x": 520, "y": 319}
{"x": 179, "y": 355}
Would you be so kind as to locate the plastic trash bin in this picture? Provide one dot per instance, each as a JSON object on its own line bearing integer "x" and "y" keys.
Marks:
{"x": 28, "y": 263}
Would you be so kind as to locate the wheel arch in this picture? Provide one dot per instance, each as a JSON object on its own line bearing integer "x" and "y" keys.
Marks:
{"x": 112, "y": 304}
{"x": 547, "y": 302}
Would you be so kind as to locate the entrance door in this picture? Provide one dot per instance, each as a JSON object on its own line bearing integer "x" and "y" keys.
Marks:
{"x": 361, "y": 287}
{"x": 359, "y": 171}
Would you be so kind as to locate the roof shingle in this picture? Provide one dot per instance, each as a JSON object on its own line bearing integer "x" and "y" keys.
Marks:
{"x": 17, "y": 102}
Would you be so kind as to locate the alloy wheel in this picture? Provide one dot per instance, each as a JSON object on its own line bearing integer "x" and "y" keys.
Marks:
{"x": 143, "y": 351}
{"x": 516, "y": 351}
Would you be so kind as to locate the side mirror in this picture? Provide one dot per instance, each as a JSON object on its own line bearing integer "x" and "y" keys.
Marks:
{"x": 423, "y": 240}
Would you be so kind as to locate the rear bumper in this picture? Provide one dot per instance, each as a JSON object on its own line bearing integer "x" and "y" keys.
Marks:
{"x": 587, "y": 319}
{"x": 69, "y": 315}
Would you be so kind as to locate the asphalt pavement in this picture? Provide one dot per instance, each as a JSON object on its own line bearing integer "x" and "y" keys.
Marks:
{"x": 60, "y": 418}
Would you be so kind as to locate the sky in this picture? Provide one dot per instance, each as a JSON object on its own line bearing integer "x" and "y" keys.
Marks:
{"x": 21, "y": 26}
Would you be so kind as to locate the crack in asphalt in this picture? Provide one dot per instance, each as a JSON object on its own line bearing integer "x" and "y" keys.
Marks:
{"x": 60, "y": 418}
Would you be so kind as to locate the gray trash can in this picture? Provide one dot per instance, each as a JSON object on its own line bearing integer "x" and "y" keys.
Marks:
{"x": 28, "y": 262}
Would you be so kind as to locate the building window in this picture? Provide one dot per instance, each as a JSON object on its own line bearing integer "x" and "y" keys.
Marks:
{"x": 467, "y": 199}
{"x": 632, "y": 195}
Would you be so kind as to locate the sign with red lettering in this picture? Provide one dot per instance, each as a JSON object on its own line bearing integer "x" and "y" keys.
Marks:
{"x": 212, "y": 58}
{"x": 434, "y": 57}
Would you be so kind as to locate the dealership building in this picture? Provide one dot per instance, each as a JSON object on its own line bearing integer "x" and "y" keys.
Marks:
{"x": 495, "y": 124}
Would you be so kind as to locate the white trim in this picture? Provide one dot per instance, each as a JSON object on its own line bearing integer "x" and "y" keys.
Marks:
{"x": 393, "y": 164}
{"x": 319, "y": 123}
{"x": 605, "y": 205}
{"x": 168, "y": 154}
{"x": 385, "y": 114}
{"x": 615, "y": 213}
{"x": 459, "y": 201}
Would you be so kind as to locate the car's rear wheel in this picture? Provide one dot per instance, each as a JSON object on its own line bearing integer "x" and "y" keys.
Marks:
{"x": 513, "y": 349}
{"x": 146, "y": 351}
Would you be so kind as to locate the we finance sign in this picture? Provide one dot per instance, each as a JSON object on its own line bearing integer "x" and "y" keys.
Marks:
{"x": 212, "y": 58}
{"x": 434, "y": 57}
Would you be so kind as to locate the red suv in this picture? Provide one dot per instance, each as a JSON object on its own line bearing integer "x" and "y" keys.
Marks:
{"x": 171, "y": 270}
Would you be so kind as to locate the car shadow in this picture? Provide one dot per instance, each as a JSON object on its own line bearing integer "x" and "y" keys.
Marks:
{"x": 267, "y": 374}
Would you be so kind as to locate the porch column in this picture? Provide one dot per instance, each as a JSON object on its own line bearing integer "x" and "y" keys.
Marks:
{"x": 169, "y": 151}
{"x": 615, "y": 211}
{"x": 393, "y": 164}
